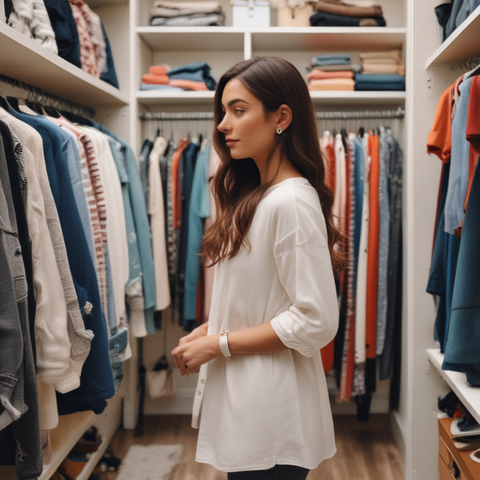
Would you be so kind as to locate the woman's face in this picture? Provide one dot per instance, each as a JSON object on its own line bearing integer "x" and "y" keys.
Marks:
{"x": 244, "y": 123}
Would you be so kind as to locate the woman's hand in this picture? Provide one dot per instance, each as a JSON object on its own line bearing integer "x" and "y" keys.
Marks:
{"x": 197, "y": 333}
{"x": 196, "y": 352}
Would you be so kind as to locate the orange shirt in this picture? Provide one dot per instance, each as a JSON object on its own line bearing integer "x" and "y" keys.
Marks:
{"x": 440, "y": 137}
{"x": 189, "y": 84}
{"x": 176, "y": 208}
{"x": 372, "y": 264}
{"x": 155, "y": 79}
{"x": 158, "y": 70}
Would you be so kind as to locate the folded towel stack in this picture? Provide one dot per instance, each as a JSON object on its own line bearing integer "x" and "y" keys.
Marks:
{"x": 382, "y": 62}
{"x": 193, "y": 77}
{"x": 335, "y": 13}
{"x": 331, "y": 72}
{"x": 187, "y": 14}
{"x": 381, "y": 71}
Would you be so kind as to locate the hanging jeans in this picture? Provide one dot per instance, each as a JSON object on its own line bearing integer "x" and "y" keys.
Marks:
{"x": 278, "y": 472}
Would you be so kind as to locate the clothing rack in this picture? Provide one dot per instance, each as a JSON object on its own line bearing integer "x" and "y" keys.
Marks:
{"x": 38, "y": 95}
{"x": 467, "y": 65}
{"x": 321, "y": 115}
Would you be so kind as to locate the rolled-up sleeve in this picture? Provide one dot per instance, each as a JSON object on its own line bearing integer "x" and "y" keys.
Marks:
{"x": 305, "y": 272}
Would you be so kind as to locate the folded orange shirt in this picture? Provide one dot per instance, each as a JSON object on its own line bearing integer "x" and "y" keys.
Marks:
{"x": 158, "y": 70}
{"x": 155, "y": 79}
{"x": 189, "y": 84}
{"x": 335, "y": 84}
{"x": 320, "y": 75}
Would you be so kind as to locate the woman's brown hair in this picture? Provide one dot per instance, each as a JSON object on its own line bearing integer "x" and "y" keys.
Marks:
{"x": 236, "y": 185}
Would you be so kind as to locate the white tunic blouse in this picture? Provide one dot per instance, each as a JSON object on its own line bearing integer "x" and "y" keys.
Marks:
{"x": 258, "y": 410}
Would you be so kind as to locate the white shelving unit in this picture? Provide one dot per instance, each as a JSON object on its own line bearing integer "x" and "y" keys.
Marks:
{"x": 469, "y": 396}
{"x": 461, "y": 45}
{"x": 430, "y": 70}
{"x": 26, "y": 60}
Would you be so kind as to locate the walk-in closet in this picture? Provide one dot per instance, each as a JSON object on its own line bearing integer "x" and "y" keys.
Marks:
{"x": 406, "y": 409}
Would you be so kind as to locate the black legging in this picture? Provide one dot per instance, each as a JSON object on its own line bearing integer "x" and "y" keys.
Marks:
{"x": 278, "y": 472}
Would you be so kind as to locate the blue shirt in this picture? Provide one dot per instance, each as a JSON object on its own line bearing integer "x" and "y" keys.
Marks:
{"x": 97, "y": 379}
{"x": 199, "y": 210}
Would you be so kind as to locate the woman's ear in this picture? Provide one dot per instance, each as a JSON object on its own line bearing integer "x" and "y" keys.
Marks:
{"x": 285, "y": 117}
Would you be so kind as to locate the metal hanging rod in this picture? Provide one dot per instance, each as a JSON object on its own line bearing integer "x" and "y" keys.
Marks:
{"x": 361, "y": 114}
{"x": 467, "y": 65}
{"x": 36, "y": 94}
{"x": 334, "y": 115}
{"x": 176, "y": 116}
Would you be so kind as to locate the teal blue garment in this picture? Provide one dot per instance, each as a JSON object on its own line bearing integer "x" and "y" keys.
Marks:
{"x": 461, "y": 348}
{"x": 199, "y": 210}
{"x": 140, "y": 218}
{"x": 135, "y": 276}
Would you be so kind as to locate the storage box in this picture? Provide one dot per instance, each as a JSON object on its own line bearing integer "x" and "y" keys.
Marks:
{"x": 251, "y": 13}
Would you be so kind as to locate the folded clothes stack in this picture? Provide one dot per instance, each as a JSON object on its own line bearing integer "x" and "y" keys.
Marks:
{"x": 331, "y": 72}
{"x": 382, "y": 62}
{"x": 192, "y": 77}
{"x": 379, "y": 81}
{"x": 335, "y": 13}
{"x": 187, "y": 14}
{"x": 381, "y": 71}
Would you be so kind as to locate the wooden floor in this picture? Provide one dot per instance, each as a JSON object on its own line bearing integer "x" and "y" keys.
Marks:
{"x": 365, "y": 451}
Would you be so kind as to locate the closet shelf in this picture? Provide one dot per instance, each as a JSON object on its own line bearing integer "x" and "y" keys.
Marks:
{"x": 461, "y": 45}
{"x": 196, "y": 39}
{"x": 70, "y": 428}
{"x": 310, "y": 39}
{"x": 469, "y": 396}
{"x": 65, "y": 436}
{"x": 344, "y": 99}
{"x": 26, "y": 60}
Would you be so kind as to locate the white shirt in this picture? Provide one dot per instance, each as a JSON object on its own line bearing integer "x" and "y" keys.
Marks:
{"x": 157, "y": 223}
{"x": 259, "y": 410}
{"x": 116, "y": 226}
{"x": 361, "y": 293}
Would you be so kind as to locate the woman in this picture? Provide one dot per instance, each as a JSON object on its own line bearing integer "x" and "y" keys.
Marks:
{"x": 265, "y": 408}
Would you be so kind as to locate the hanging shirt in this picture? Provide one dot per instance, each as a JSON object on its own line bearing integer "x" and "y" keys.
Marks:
{"x": 116, "y": 227}
{"x": 361, "y": 293}
{"x": 157, "y": 223}
{"x": 384, "y": 232}
{"x": 282, "y": 397}
{"x": 199, "y": 210}
{"x": 458, "y": 180}
{"x": 340, "y": 184}
{"x": 373, "y": 241}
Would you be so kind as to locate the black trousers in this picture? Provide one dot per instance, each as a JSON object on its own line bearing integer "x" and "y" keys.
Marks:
{"x": 278, "y": 472}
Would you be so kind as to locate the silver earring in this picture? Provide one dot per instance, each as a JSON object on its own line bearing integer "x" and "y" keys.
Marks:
{"x": 279, "y": 130}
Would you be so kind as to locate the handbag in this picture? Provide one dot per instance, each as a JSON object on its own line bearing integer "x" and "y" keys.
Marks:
{"x": 161, "y": 380}
{"x": 294, "y": 13}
